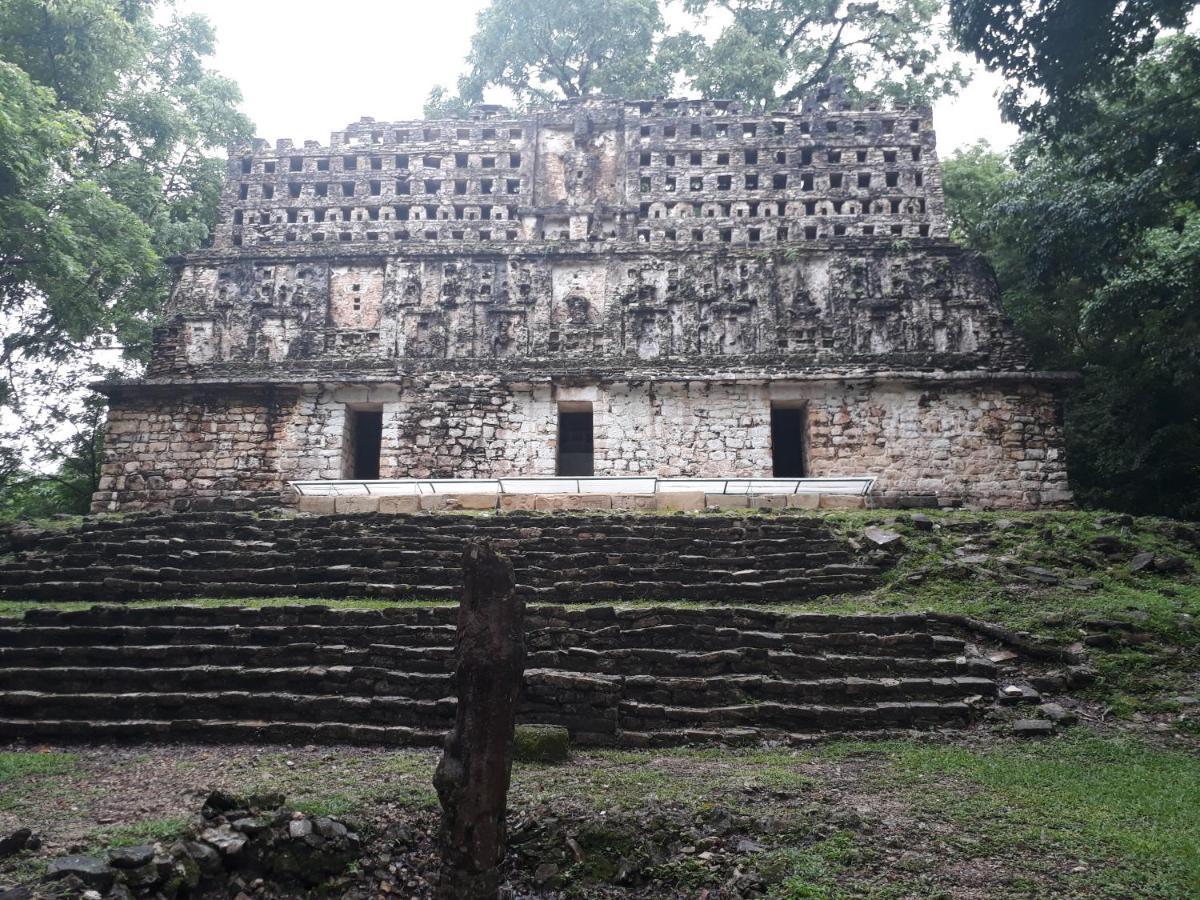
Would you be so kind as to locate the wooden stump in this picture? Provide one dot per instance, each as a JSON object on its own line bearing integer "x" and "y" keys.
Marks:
{"x": 473, "y": 775}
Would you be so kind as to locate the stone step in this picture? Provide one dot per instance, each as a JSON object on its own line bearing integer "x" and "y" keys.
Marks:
{"x": 753, "y": 661}
{"x": 372, "y": 681}
{"x": 111, "y": 590}
{"x": 414, "y": 659}
{"x": 218, "y": 730}
{"x": 267, "y": 635}
{"x": 594, "y": 715}
{"x": 642, "y": 717}
{"x": 614, "y": 637}
{"x": 539, "y": 617}
{"x": 336, "y": 680}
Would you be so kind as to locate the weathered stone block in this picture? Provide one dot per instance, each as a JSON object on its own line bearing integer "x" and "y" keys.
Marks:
{"x": 726, "y": 501}
{"x": 357, "y": 504}
{"x": 403, "y": 503}
{"x": 676, "y": 501}
{"x": 434, "y": 502}
{"x": 767, "y": 501}
{"x": 516, "y": 502}
{"x": 842, "y": 501}
{"x": 541, "y": 743}
{"x": 572, "y": 501}
{"x": 634, "y": 501}
{"x": 473, "y": 501}
{"x": 319, "y": 506}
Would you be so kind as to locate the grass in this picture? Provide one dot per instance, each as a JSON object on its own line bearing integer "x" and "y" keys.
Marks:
{"x": 18, "y": 765}
{"x": 1128, "y": 811}
{"x": 148, "y": 832}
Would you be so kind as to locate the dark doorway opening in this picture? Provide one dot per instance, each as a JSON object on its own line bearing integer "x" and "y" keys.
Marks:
{"x": 366, "y": 440}
{"x": 787, "y": 441}
{"x": 575, "y": 449}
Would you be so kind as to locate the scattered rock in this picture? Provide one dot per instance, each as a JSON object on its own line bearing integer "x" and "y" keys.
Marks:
{"x": 1084, "y": 584}
{"x": 1027, "y": 728}
{"x": 921, "y": 522}
{"x": 745, "y": 845}
{"x": 89, "y": 870}
{"x": 21, "y": 839}
{"x": 883, "y": 538}
{"x": 1050, "y": 682}
{"x": 1002, "y": 656}
{"x": 1018, "y": 693}
{"x": 299, "y": 828}
{"x": 1043, "y": 576}
{"x": 225, "y": 840}
{"x": 544, "y": 872}
{"x": 1171, "y": 565}
{"x": 1108, "y": 544}
{"x": 1142, "y": 562}
{"x": 1120, "y": 520}
{"x": 131, "y": 857}
{"x": 1058, "y": 713}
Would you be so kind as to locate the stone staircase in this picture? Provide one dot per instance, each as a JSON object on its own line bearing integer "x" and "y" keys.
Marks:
{"x": 627, "y": 677}
{"x": 559, "y": 558}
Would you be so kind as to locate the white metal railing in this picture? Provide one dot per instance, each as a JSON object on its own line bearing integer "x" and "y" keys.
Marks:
{"x": 570, "y": 484}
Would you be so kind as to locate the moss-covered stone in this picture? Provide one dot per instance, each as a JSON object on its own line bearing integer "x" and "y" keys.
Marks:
{"x": 542, "y": 743}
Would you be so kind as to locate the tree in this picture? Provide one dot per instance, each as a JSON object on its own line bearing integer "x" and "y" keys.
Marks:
{"x": 1095, "y": 237}
{"x": 543, "y": 50}
{"x": 974, "y": 181}
{"x": 771, "y": 51}
{"x": 1057, "y": 55}
{"x": 774, "y": 51}
{"x": 111, "y": 136}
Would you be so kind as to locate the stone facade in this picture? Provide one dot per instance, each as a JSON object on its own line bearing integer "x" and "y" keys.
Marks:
{"x": 680, "y": 269}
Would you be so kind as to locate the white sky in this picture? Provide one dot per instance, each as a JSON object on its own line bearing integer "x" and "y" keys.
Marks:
{"x": 305, "y": 72}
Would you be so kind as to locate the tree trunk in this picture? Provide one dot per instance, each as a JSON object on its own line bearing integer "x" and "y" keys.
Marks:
{"x": 472, "y": 777}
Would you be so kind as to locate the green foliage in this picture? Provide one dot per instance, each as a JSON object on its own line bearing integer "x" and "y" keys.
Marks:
{"x": 1061, "y": 59}
{"x": 543, "y": 50}
{"x": 784, "y": 50}
{"x": 111, "y": 127}
{"x": 1095, "y": 236}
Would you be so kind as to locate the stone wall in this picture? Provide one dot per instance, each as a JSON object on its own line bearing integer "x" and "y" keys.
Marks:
{"x": 877, "y": 307}
{"x": 994, "y": 443}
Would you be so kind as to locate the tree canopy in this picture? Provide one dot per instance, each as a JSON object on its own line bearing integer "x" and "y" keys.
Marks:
{"x": 1057, "y": 55}
{"x": 766, "y": 51}
{"x": 112, "y": 132}
{"x": 1094, "y": 231}
{"x": 773, "y": 51}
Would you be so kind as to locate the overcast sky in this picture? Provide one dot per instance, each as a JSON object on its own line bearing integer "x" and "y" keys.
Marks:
{"x": 310, "y": 67}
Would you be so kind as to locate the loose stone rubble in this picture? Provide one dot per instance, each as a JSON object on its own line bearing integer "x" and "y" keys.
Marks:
{"x": 235, "y": 841}
{"x": 682, "y": 270}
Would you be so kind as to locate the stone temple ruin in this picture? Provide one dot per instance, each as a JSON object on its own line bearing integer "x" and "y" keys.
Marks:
{"x": 673, "y": 288}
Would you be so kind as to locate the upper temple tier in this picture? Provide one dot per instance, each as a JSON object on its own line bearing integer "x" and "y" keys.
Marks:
{"x": 597, "y": 234}
{"x": 673, "y": 288}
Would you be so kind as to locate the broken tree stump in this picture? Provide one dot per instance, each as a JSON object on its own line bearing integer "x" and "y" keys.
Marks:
{"x": 473, "y": 775}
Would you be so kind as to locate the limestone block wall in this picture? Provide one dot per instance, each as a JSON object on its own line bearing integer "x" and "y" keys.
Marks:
{"x": 201, "y": 445}
{"x": 991, "y": 443}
